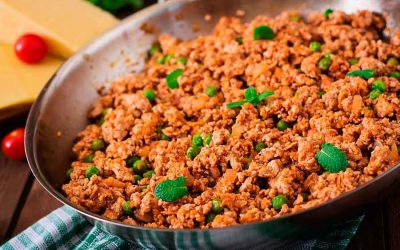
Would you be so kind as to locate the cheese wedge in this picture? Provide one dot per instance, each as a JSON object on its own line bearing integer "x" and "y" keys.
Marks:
{"x": 66, "y": 25}
{"x": 20, "y": 83}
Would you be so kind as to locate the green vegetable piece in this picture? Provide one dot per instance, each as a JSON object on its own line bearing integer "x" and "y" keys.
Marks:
{"x": 250, "y": 94}
{"x": 150, "y": 95}
{"x": 141, "y": 188}
{"x": 89, "y": 158}
{"x": 216, "y": 206}
{"x": 259, "y": 146}
{"x": 282, "y": 125}
{"x": 137, "y": 178}
{"x": 210, "y": 217}
{"x": 366, "y": 73}
{"x": 398, "y": 148}
{"x": 98, "y": 144}
{"x": 160, "y": 60}
{"x": 321, "y": 93}
{"x": 171, "y": 190}
{"x": 172, "y": 78}
{"x": 208, "y": 139}
{"x": 395, "y": 74}
{"x": 251, "y": 97}
{"x": 278, "y": 201}
{"x": 315, "y": 46}
{"x": 126, "y": 206}
{"x": 168, "y": 58}
{"x": 353, "y": 61}
{"x": 295, "y": 18}
{"x": 139, "y": 167}
{"x": 211, "y": 91}
{"x": 91, "y": 171}
{"x": 374, "y": 94}
{"x": 115, "y": 5}
{"x": 131, "y": 160}
{"x": 197, "y": 141}
{"x": 324, "y": 63}
{"x": 192, "y": 152}
{"x": 149, "y": 174}
{"x": 237, "y": 104}
{"x": 154, "y": 50}
{"x": 331, "y": 158}
{"x": 101, "y": 121}
{"x": 69, "y": 172}
{"x": 379, "y": 85}
{"x": 182, "y": 60}
{"x": 164, "y": 137}
{"x": 296, "y": 94}
{"x": 393, "y": 61}
{"x": 265, "y": 95}
{"x": 263, "y": 32}
{"x": 239, "y": 40}
{"x": 327, "y": 13}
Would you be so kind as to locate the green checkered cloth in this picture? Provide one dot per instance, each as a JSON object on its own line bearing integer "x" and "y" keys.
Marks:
{"x": 66, "y": 229}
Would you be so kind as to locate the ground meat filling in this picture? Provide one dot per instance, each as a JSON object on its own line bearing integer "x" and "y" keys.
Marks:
{"x": 259, "y": 159}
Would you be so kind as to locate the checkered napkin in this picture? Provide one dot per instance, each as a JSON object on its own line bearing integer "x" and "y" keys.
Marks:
{"x": 66, "y": 229}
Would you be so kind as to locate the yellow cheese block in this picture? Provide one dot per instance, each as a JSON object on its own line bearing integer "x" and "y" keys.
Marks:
{"x": 66, "y": 25}
{"x": 20, "y": 83}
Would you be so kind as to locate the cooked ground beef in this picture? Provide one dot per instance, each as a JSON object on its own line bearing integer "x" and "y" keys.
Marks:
{"x": 315, "y": 104}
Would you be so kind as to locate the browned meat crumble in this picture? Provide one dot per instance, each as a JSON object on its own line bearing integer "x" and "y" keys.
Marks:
{"x": 319, "y": 106}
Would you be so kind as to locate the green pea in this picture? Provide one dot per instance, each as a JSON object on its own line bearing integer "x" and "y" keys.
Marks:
{"x": 197, "y": 141}
{"x": 137, "y": 178}
{"x": 295, "y": 18}
{"x": 192, "y": 152}
{"x": 89, "y": 158}
{"x": 149, "y": 174}
{"x": 131, "y": 160}
{"x": 379, "y": 85}
{"x": 324, "y": 63}
{"x": 154, "y": 50}
{"x": 210, "y": 217}
{"x": 260, "y": 146}
{"x": 216, "y": 206}
{"x": 239, "y": 40}
{"x": 164, "y": 137}
{"x": 101, "y": 121}
{"x": 126, "y": 206}
{"x": 278, "y": 201}
{"x": 141, "y": 188}
{"x": 98, "y": 144}
{"x": 168, "y": 58}
{"x": 327, "y": 13}
{"x": 321, "y": 93}
{"x": 182, "y": 60}
{"x": 315, "y": 46}
{"x": 375, "y": 94}
{"x": 282, "y": 125}
{"x": 69, "y": 172}
{"x": 353, "y": 61}
{"x": 393, "y": 61}
{"x": 91, "y": 171}
{"x": 139, "y": 167}
{"x": 160, "y": 60}
{"x": 150, "y": 95}
{"x": 211, "y": 91}
{"x": 395, "y": 74}
{"x": 208, "y": 139}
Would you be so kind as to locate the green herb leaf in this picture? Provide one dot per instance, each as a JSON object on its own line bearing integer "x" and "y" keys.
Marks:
{"x": 232, "y": 105}
{"x": 172, "y": 78}
{"x": 263, "y": 32}
{"x": 366, "y": 73}
{"x": 265, "y": 95}
{"x": 250, "y": 94}
{"x": 327, "y": 13}
{"x": 171, "y": 190}
{"x": 331, "y": 158}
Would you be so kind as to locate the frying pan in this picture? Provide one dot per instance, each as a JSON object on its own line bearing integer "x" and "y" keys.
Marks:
{"x": 59, "y": 113}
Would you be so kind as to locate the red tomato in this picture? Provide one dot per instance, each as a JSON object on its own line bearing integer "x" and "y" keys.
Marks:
{"x": 30, "y": 48}
{"x": 13, "y": 145}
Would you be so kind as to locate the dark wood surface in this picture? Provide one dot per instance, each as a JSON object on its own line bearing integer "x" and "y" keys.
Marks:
{"x": 23, "y": 201}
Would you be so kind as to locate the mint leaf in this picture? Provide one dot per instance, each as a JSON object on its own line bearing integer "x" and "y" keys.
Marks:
{"x": 171, "y": 190}
{"x": 172, "y": 78}
{"x": 366, "y": 73}
{"x": 250, "y": 94}
{"x": 331, "y": 158}
{"x": 237, "y": 104}
{"x": 265, "y": 94}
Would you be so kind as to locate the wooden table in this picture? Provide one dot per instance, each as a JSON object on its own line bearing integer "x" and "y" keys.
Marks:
{"x": 23, "y": 201}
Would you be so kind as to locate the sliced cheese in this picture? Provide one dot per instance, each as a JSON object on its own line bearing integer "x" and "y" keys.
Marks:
{"x": 19, "y": 82}
{"x": 66, "y": 25}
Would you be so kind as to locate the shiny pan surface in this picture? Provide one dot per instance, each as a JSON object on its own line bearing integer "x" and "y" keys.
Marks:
{"x": 59, "y": 113}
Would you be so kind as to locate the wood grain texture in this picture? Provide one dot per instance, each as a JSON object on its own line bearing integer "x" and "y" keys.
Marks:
{"x": 38, "y": 204}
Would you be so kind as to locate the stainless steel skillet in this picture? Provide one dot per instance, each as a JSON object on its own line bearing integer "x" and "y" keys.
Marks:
{"x": 64, "y": 102}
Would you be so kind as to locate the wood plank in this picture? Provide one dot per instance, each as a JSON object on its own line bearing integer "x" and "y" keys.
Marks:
{"x": 393, "y": 220}
{"x": 38, "y": 204}
{"x": 371, "y": 234}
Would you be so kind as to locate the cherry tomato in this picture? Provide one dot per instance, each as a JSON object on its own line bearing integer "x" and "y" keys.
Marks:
{"x": 13, "y": 145}
{"x": 30, "y": 48}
